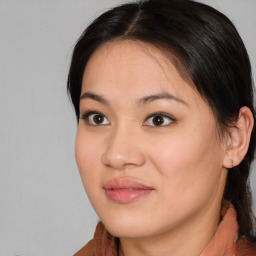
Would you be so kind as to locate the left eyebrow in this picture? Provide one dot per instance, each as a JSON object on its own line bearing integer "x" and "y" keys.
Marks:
{"x": 93, "y": 96}
{"x": 159, "y": 96}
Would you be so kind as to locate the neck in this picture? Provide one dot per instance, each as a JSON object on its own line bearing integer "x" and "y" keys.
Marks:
{"x": 189, "y": 239}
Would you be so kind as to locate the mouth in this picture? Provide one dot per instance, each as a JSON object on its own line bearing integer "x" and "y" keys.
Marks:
{"x": 125, "y": 190}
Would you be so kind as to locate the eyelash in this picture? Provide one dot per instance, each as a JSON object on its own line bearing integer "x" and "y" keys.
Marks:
{"x": 86, "y": 115}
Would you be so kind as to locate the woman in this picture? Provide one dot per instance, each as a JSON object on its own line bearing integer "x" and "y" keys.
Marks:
{"x": 162, "y": 91}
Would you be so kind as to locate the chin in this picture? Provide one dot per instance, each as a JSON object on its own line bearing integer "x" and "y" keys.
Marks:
{"x": 132, "y": 226}
{"x": 125, "y": 230}
{"x": 125, "y": 226}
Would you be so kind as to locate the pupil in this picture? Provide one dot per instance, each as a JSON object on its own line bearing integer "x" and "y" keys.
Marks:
{"x": 158, "y": 120}
{"x": 98, "y": 119}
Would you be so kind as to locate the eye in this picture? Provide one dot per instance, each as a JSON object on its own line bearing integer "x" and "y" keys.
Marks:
{"x": 158, "y": 119}
{"x": 94, "y": 118}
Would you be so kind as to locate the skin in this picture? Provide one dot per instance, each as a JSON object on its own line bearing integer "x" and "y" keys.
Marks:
{"x": 184, "y": 160}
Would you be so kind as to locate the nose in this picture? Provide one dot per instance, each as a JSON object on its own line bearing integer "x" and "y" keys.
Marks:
{"x": 123, "y": 150}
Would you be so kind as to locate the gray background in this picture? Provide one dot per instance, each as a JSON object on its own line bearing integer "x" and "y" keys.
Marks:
{"x": 43, "y": 208}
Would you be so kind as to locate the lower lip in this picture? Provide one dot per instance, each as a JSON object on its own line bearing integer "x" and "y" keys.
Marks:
{"x": 126, "y": 196}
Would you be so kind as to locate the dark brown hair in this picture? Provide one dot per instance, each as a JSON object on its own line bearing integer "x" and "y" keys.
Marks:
{"x": 210, "y": 50}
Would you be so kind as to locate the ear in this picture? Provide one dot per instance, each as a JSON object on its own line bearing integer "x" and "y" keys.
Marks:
{"x": 239, "y": 138}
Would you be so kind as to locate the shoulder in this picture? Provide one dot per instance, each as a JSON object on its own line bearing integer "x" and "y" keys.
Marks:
{"x": 246, "y": 248}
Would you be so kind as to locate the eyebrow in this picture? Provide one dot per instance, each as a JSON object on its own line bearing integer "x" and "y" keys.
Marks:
{"x": 142, "y": 101}
{"x": 89, "y": 95}
{"x": 160, "y": 96}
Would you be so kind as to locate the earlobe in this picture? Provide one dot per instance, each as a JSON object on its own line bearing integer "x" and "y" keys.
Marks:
{"x": 239, "y": 138}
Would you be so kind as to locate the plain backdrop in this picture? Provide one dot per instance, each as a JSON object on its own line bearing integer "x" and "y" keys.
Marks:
{"x": 43, "y": 207}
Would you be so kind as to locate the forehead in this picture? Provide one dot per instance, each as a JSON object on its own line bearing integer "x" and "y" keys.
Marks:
{"x": 133, "y": 68}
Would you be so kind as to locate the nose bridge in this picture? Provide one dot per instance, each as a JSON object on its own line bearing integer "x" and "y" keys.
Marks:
{"x": 123, "y": 148}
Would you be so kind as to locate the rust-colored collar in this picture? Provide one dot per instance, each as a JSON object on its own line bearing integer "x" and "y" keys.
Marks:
{"x": 224, "y": 241}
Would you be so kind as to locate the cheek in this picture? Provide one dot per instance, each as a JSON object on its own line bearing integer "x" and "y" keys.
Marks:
{"x": 87, "y": 151}
{"x": 175, "y": 153}
{"x": 189, "y": 161}
{"x": 88, "y": 157}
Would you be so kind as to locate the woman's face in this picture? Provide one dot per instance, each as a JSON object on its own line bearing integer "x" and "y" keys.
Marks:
{"x": 147, "y": 146}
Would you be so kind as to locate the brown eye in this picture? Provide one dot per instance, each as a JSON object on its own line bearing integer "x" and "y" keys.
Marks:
{"x": 158, "y": 120}
{"x": 97, "y": 119}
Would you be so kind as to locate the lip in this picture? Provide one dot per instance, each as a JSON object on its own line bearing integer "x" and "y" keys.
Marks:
{"x": 125, "y": 190}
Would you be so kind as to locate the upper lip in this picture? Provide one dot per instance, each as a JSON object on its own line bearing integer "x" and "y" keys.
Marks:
{"x": 115, "y": 184}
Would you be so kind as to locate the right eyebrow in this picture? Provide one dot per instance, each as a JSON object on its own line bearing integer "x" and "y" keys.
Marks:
{"x": 89, "y": 95}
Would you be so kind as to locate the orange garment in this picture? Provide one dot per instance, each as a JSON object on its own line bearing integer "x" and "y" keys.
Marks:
{"x": 224, "y": 242}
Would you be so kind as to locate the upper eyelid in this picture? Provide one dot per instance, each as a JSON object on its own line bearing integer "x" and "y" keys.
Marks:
{"x": 89, "y": 112}
{"x": 160, "y": 114}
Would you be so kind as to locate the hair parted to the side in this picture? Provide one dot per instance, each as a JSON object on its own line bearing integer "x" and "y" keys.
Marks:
{"x": 209, "y": 49}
